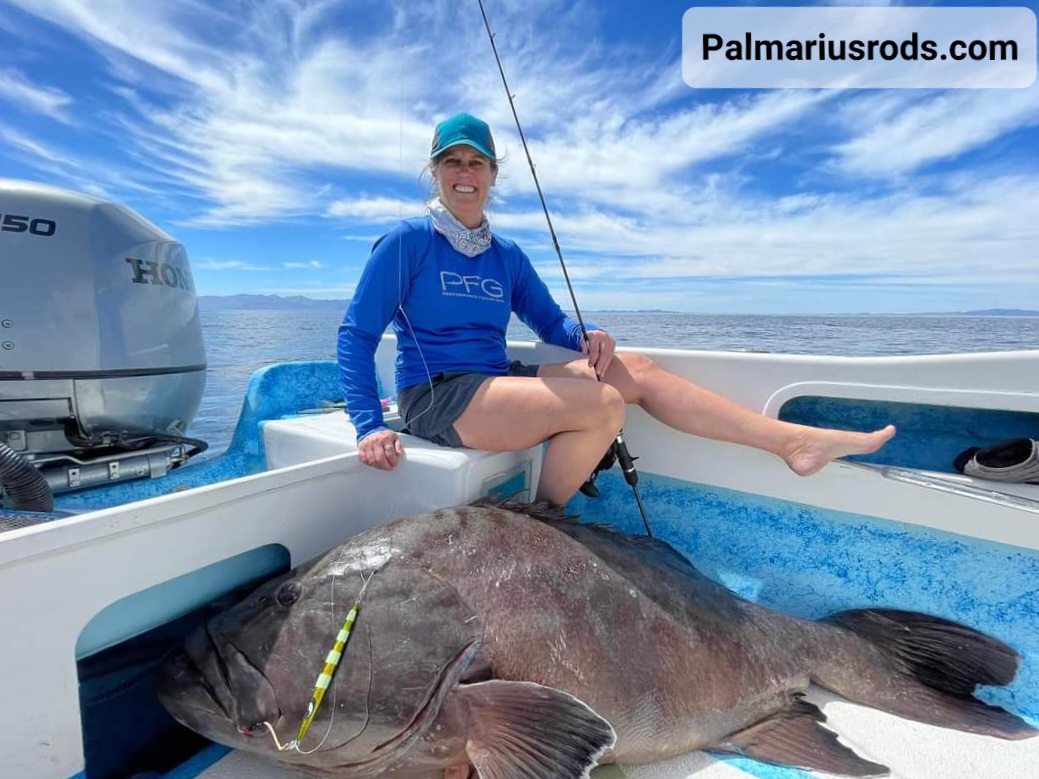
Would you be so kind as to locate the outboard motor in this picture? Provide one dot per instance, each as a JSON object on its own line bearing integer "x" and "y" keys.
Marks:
{"x": 102, "y": 365}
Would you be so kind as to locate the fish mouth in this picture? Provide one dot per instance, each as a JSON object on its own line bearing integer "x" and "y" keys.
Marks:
{"x": 197, "y": 690}
{"x": 186, "y": 692}
{"x": 197, "y": 684}
{"x": 178, "y": 675}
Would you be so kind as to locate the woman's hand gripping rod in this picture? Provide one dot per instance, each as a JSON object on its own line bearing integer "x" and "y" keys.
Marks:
{"x": 619, "y": 448}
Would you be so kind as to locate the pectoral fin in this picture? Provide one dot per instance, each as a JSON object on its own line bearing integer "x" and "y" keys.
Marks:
{"x": 795, "y": 737}
{"x": 522, "y": 730}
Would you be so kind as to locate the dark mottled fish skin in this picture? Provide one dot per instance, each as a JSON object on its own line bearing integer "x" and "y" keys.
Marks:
{"x": 528, "y": 645}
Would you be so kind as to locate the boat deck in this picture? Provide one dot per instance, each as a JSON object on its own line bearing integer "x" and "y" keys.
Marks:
{"x": 911, "y": 750}
{"x": 853, "y": 535}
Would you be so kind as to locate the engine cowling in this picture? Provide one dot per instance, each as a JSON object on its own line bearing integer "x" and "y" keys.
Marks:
{"x": 100, "y": 338}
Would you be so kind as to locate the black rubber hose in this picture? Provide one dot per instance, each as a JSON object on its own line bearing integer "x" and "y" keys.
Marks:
{"x": 23, "y": 484}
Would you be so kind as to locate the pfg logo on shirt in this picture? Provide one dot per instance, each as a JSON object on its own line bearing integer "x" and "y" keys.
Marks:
{"x": 456, "y": 285}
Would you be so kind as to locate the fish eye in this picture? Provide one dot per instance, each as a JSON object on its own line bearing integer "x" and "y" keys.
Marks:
{"x": 289, "y": 593}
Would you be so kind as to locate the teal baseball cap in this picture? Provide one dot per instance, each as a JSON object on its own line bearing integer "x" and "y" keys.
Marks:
{"x": 463, "y": 129}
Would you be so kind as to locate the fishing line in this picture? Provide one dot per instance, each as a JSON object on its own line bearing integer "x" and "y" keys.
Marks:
{"x": 619, "y": 447}
{"x": 331, "y": 665}
{"x": 325, "y": 678}
{"x": 400, "y": 262}
{"x": 400, "y": 250}
{"x": 332, "y": 662}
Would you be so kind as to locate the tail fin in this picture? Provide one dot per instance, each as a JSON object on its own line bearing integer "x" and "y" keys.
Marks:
{"x": 945, "y": 655}
{"x": 923, "y": 667}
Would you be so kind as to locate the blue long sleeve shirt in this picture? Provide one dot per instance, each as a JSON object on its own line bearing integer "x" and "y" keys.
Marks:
{"x": 449, "y": 313}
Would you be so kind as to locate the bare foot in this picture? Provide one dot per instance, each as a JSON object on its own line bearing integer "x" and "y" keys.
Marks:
{"x": 814, "y": 447}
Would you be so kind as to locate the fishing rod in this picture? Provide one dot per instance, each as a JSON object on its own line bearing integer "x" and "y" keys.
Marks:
{"x": 618, "y": 448}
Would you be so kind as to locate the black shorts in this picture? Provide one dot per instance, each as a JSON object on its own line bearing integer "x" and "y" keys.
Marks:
{"x": 431, "y": 409}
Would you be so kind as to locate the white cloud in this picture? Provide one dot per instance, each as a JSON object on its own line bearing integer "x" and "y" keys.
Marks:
{"x": 856, "y": 3}
{"x": 271, "y": 112}
{"x": 368, "y": 239}
{"x": 167, "y": 36}
{"x": 966, "y": 223}
{"x": 229, "y": 265}
{"x": 312, "y": 265}
{"x": 250, "y": 117}
{"x": 612, "y": 159}
{"x": 374, "y": 209}
{"x": 36, "y": 148}
{"x": 898, "y": 134}
{"x": 18, "y": 91}
{"x": 254, "y": 118}
{"x": 324, "y": 292}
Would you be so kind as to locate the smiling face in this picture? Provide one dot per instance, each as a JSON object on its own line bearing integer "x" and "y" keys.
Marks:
{"x": 464, "y": 177}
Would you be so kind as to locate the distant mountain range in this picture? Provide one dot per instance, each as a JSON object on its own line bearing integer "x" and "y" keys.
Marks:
{"x": 300, "y": 302}
{"x": 269, "y": 303}
{"x": 991, "y": 312}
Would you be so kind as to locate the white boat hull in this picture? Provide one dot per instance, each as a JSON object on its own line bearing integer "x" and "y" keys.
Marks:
{"x": 60, "y": 576}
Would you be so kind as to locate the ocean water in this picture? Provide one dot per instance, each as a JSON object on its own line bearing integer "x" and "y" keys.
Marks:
{"x": 239, "y": 342}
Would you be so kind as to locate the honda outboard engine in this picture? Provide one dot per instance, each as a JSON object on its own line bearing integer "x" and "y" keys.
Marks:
{"x": 102, "y": 366}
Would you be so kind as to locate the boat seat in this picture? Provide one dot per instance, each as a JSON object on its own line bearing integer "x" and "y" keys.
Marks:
{"x": 455, "y": 476}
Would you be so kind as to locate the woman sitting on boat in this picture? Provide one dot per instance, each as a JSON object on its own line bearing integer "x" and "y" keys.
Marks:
{"x": 449, "y": 284}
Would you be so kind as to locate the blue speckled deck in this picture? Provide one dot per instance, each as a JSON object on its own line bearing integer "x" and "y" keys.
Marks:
{"x": 273, "y": 392}
{"x": 812, "y": 562}
{"x": 795, "y": 558}
{"x": 929, "y": 436}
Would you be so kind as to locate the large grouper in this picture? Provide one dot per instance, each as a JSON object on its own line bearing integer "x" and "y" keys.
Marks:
{"x": 529, "y": 646}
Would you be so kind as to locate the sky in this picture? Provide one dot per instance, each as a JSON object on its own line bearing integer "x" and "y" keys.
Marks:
{"x": 277, "y": 140}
